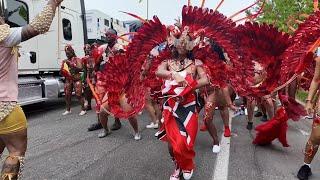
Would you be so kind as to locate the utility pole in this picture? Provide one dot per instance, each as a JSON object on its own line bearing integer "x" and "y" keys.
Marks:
{"x": 147, "y": 9}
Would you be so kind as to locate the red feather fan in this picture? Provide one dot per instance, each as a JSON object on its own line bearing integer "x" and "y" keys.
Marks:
{"x": 113, "y": 80}
{"x": 216, "y": 69}
{"x": 217, "y": 27}
{"x": 149, "y": 36}
{"x": 263, "y": 44}
{"x": 273, "y": 129}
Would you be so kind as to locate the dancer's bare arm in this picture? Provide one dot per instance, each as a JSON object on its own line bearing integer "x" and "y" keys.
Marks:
{"x": 203, "y": 79}
{"x": 163, "y": 71}
{"x": 313, "y": 87}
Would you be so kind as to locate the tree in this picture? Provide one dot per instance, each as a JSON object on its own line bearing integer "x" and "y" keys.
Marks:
{"x": 284, "y": 14}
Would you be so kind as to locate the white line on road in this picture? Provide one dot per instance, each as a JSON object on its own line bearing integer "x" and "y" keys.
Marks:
{"x": 303, "y": 132}
{"x": 222, "y": 163}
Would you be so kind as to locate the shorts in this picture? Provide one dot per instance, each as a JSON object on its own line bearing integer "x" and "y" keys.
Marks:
{"x": 14, "y": 122}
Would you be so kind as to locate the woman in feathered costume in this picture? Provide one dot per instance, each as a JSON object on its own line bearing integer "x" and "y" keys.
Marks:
{"x": 108, "y": 96}
{"x": 179, "y": 110}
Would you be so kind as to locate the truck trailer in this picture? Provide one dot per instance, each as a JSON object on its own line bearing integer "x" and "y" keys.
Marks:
{"x": 41, "y": 57}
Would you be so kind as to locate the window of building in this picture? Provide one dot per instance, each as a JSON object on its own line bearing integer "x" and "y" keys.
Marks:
{"x": 117, "y": 22}
{"x": 106, "y": 22}
{"x": 67, "y": 30}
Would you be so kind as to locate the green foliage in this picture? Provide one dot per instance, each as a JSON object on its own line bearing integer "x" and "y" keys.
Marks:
{"x": 302, "y": 95}
{"x": 283, "y": 13}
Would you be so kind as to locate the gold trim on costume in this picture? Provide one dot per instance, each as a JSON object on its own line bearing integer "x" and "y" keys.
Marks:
{"x": 4, "y": 31}
{"x": 6, "y": 108}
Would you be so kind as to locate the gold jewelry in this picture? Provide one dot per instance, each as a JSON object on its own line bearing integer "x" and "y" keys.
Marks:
{"x": 42, "y": 22}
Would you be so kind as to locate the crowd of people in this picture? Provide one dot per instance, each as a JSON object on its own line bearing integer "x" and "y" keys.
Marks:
{"x": 174, "y": 72}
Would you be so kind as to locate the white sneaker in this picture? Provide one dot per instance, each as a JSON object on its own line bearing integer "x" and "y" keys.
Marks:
{"x": 82, "y": 113}
{"x": 187, "y": 174}
{"x": 216, "y": 149}
{"x": 103, "y": 134}
{"x": 137, "y": 137}
{"x": 152, "y": 125}
{"x": 66, "y": 113}
{"x": 157, "y": 133}
{"x": 140, "y": 113}
{"x": 309, "y": 117}
{"x": 237, "y": 113}
{"x": 176, "y": 174}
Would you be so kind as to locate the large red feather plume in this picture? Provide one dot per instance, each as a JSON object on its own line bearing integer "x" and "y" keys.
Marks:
{"x": 297, "y": 59}
{"x": 275, "y": 128}
{"x": 263, "y": 44}
{"x": 150, "y": 35}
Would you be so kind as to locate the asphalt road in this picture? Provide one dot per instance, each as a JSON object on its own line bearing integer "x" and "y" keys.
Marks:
{"x": 61, "y": 148}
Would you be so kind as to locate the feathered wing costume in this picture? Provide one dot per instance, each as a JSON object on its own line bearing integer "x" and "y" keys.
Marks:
{"x": 284, "y": 62}
{"x": 265, "y": 46}
{"x": 298, "y": 58}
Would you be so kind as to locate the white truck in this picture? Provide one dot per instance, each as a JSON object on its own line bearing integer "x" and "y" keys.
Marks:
{"x": 41, "y": 57}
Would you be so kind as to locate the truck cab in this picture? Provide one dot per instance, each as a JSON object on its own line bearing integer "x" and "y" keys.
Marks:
{"x": 41, "y": 57}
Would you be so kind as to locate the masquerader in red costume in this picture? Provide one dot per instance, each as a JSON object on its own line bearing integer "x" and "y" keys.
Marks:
{"x": 217, "y": 96}
{"x": 307, "y": 37}
{"x": 89, "y": 68}
{"x": 312, "y": 107}
{"x": 113, "y": 50}
{"x": 73, "y": 79}
{"x": 179, "y": 110}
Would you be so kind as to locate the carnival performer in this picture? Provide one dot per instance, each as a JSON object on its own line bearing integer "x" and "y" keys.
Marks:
{"x": 89, "y": 69}
{"x": 71, "y": 69}
{"x": 216, "y": 96}
{"x": 312, "y": 107}
{"x": 153, "y": 88}
{"x": 13, "y": 123}
{"x": 179, "y": 110}
{"x": 113, "y": 49}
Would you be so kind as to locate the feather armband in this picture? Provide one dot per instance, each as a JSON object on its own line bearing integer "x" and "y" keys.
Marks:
{"x": 42, "y": 22}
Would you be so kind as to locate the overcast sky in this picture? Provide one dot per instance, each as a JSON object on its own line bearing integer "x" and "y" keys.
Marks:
{"x": 166, "y": 10}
